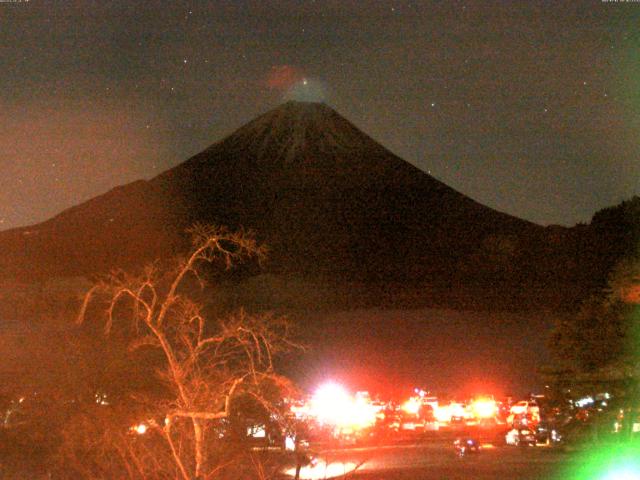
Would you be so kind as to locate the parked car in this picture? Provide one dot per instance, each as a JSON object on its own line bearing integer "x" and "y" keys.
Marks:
{"x": 520, "y": 437}
{"x": 547, "y": 434}
{"x": 466, "y": 445}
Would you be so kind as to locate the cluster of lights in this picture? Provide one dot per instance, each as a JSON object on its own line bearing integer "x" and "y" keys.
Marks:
{"x": 444, "y": 413}
{"x": 412, "y": 406}
{"x": 333, "y": 405}
{"x": 484, "y": 408}
{"x": 583, "y": 402}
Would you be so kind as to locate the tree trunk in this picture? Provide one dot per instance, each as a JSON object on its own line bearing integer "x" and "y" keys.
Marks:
{"x": 198, "y": 434}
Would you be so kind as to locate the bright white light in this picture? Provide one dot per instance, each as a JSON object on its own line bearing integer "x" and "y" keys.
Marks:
{"x": 257, "y": 431}
{"x": 140, "y": 429}
{"x": 519, "y": 408}
{"x": 485, "y": 408}
{"x": 457, "y": 410}
{"x": 322, "y": 470}
{"x": 623, "y": 473}
{"x": 289, "y": 444}
{"x": 333, "y": 405}
{"x": 442, "y": 413}
{"x": 412, "y": 406}
{"x": 584, "y": 401}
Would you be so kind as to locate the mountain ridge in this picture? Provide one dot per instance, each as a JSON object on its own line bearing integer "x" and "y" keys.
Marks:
{"x": 328, "y": 200}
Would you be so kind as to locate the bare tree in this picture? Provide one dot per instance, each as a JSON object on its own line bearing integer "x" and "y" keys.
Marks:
{"x": 202, "y": 368}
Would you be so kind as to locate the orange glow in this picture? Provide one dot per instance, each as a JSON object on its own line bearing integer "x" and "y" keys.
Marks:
{"x": 631, "y": 294}
{"x": 95, "y": 149}
{"x": 283, "y": 76}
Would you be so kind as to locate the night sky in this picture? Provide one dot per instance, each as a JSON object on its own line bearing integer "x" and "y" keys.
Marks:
{"x": 533, "y": 109}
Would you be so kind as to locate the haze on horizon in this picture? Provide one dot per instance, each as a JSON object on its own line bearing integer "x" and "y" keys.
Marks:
{"x": 531, "y": 110}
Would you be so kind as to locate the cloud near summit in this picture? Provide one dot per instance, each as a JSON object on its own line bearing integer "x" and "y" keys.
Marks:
{"x": 283, "y": 77}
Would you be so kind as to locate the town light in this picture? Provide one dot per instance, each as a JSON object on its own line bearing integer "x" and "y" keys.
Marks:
{"x": 412, "y": 406}
{"x": 140, "y": 429}
{"x": 333, "y": 405}
{"x": 484, "y": 408}
{"x": 330, "y": 404}
{"x": 321, "y": 470}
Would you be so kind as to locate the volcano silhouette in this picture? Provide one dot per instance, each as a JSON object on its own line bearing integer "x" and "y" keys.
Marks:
{"x": 327, "y": 200}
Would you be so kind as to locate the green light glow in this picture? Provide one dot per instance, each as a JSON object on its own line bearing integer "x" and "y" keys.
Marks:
{"x": 623, "y": 473}
{"x": 611, "y": 462}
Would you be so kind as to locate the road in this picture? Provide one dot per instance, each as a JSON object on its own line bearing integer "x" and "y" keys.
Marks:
{"x": 437, "y": 462}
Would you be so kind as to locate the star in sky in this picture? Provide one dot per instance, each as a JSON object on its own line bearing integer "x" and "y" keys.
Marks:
{"x": 154, "y": 83}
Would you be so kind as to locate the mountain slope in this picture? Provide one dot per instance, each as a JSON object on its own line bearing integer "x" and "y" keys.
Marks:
{"x": 328, "y": 197}
{"x": 328, "y": 200}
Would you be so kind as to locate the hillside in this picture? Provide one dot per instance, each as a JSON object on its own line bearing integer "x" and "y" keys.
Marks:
{"x": 330, "y": 203}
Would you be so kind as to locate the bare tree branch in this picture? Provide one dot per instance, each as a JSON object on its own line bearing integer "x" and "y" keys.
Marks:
{"x": 205, "y": 367}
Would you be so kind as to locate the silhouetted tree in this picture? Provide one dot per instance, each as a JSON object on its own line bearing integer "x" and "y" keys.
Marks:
{"x": 205, "y": 375}
{"x": 597, "y": 347}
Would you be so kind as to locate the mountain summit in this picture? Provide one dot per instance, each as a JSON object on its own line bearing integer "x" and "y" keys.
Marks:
{"x": 328, "y": 200}
{"x": 299, "y": 130}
